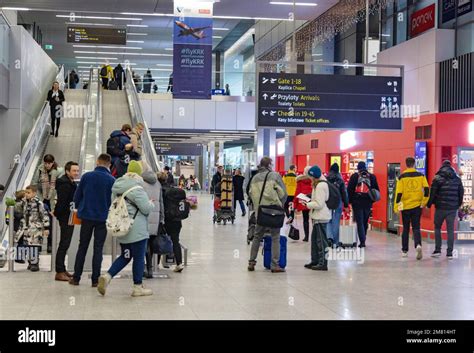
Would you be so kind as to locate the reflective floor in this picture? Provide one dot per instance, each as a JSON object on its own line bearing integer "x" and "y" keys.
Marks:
{"x": 216, "y": 284}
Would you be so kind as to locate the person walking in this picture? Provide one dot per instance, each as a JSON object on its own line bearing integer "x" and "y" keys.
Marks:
{"x": 92, "y": 200}
{"x": 358, "y": 188}
{"x": 133, "y": 244}
{"x": 106, "y": 74}
{"x": 267, "y": 188}
{"x": 119, "y": 76}
{"x": 65, "y": 189}
{"x": 412, "y": 194}
{"x": 147, "y": 82}
{"x": 238, "y": 182}
{"x": 334, "y": 177}
{"x": 216, "y": 179}
{"x": 118, "y": 142}
{"x": 45, "y": 179}
{"x": 55, "y": 98}
{"x": 321, "y": 215}
{"x": 72, "y": 80}
{"x": 447, "y": 195}
{"x": 156, "y": 217}
{"x": 304, "y": 185}
{"x": 290, "y": 183}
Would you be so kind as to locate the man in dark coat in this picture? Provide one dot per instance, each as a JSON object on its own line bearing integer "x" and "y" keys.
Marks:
{"x": 447, "y": 194}
{"x": 216, "y": 179}
{"x": 238, "y": 182}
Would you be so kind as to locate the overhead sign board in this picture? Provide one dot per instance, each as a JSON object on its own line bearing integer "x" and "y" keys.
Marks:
{"x": 422, "y": 20}
{"x": 330, "y": 101}
{"x": 178, "y": 149}
{"x": 449, "y": 9}
{"x": 96, "y": 35}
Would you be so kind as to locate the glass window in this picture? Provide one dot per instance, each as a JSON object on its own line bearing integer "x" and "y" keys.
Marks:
{"x": 402, "y": 25}
{"x": 387, "y": 34}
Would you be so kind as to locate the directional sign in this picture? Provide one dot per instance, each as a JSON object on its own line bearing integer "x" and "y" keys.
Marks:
{"x": 96, "y": 35}
{"x": 330, "y": 101}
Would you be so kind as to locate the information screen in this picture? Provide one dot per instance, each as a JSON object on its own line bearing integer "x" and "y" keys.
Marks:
{"x": 330, "y": 102}
{"x": 96, "y": 35}
{"x": 178, "y": 149}
{"x": 421, "y": 157}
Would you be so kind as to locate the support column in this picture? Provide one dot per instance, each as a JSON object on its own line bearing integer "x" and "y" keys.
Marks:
{"x": 266, "y": 144}
{"x": 289, "y": 151}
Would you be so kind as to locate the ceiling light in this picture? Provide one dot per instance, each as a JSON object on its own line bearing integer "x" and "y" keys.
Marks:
{"x": 220, "y": 29}
{"x": 16, "y": 8}
{"x": 135, "y": 41}
{"x": 94, "y": 58}
{"x": 292, "y": 4}
{"x": 141, "y": 26}
{"x": 88, "y": 24}
{"x": 224, "y": 17}
{"x": 104, "y": 46}
{"x": 164, "y": 64}
{"x": 217, "y": 37}
{"x": 137, "y": 34}
{"x": 317, "y": 54}
{"x": 169, "y": 49}
{"x": 116, "y": 53}
{"x": 101, "y": 17}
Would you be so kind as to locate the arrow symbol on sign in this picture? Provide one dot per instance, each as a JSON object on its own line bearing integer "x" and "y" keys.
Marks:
{"x": 273, "y": 97}
{"x": 273, "y": 80}
{"x": 272, "y": 113}
{"x": 264, "y": 113}
{"x": 265, "y": 80}
{"x": 265, "y": 96}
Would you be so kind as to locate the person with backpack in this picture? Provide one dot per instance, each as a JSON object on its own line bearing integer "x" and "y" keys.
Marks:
{"x": 334, "y": 177}
{"x": 134, "y": 243}
{"x": 290, "y": 183}
{"x": 72, "y": 79}
{"x": 304, "y": 185}
{"x": 119, "y": 76}
{"x": 118, "y": 142}
{"x": 92, "y": 200}
{"x": 176, "y": 209}
{"x": 55, "y": 98}
{"x": 447, "y": 195}
{"x": 411, "y": 195}
{"x": 106, "y": 74}
{"x": 267, "y": 189}
{"x": 120, "y": 166}
{"x": 363, "y": 191}
{"x": 45, "y": 181}
{"x": 156, "y": 217}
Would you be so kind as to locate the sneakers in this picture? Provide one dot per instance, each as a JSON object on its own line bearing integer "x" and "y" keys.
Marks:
{"x": 278, "y": 270}
{"x": 251, "y": 266}
{"x": 103, "y": 283}
{"x": 419, "y": 252}
{"x": 404, "y": 254}
{"x": 450, "y": 256}
{"x": 178, "y": 268}
{"x": 436, "y": 253}
{"x": 34, "y": 268}
{"x": 140, "y": 291}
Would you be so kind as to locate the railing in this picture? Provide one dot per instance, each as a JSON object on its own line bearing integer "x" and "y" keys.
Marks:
{"x": 25, "y": 163}
{"x": 136, "y": 115}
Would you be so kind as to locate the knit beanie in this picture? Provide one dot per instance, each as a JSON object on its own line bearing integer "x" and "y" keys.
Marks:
{"x": 135, "y": 167}
{"x": 315, "y": 172}
{"x": 335, "y": 168}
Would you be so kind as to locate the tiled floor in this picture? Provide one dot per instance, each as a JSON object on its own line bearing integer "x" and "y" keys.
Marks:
{"x": 216, "y": 285}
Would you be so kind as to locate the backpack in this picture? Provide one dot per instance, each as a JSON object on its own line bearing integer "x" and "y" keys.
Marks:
{"x": 113, "y": 85}
{"x": 118, "y": 221}
{"x": 334, "y": 199}
{"x": 103, "y": 71}
{"x": 113, "y": 143}
{"x": 176, "y": 205}
{"x": 363, "y": 184}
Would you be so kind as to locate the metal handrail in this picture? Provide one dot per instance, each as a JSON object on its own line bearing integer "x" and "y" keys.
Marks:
{"x": 137, "y": 117}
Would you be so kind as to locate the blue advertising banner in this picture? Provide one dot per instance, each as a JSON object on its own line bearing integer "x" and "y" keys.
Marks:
{"x": 192, "y": 50}
{"x": 421, "y": 157}
{"x": 449, "y": 9}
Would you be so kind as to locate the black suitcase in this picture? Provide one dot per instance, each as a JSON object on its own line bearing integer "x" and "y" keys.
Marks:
{"x": 113, "y": 86}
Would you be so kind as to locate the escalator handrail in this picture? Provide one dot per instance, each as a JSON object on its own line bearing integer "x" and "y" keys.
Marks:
{"x": 137, "y": 117}
{"x": 86, "y": 121}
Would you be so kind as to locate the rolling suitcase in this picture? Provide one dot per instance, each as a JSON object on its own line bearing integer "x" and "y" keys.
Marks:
{"x": 348, "y": 235}
{"x": 267, "y": 251}
{"x": 113, "y": 85}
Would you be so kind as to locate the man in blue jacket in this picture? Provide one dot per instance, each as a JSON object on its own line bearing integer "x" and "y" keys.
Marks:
{"x": 92, "y": 199}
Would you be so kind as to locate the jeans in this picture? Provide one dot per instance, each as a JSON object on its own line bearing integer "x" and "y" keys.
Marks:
{"x": 173, "y": 229}
{"x": 319, "y": 243}
{"x": 306, "y": 224}
{"x": 135, "y": 251}
{"x": 100, "y": 233}
{"x": 64, "y": 243}
{"x": 361, "y": 216}
{"x": 289, "y": 214}
{"x": 412, "y": 217}
{"x": 242, "y": 205}
{"x": 260, "y": 232}
{"x": 333, "y": 225}
{"x": 440, "y": 217}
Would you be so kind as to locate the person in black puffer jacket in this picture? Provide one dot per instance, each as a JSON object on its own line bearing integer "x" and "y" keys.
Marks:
{"x": 335, "y": 178}
{"x": 447, "y": 193}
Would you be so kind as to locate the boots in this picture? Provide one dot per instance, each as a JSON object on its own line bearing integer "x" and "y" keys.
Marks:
{"x": 103, "y": 283}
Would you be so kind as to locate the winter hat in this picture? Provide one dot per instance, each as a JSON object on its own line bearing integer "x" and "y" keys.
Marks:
{"x": 361, "y": 166}
{"x": 306, "y": 170}
{"x": 135, "y": 167}
{"x": 335, "y": 168}
{"x": 315, "y": 172}
{"x": 447, "y": 163}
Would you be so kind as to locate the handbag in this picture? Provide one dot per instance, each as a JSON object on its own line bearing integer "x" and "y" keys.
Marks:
{"x": 270, "y": 216}
{"x": 74, "y": 220}
{"x": 294, "y": 233}
{"x": 165, "y": 244}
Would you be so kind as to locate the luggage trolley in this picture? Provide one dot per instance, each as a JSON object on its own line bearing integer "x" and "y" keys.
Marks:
{"x": 224, "y": 201}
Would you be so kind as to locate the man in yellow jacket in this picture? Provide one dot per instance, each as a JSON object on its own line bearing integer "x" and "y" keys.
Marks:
{"x": 106, "y": 73}
{"x": 411, "y": 196}
{"x": 290, "y": 182}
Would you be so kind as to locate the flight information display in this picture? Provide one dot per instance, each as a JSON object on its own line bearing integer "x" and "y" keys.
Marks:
{"x": 178, "y": 149}
{"x": 96, "y": 35}
{"x": 330, "y": 101}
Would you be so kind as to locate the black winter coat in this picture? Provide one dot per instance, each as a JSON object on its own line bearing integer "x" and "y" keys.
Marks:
{"x": 336, "y": 179}
{"x": 238, "y": 182}
{"x": 360, "y": 201}
{"x": 447, "y": 191}
{"x": 216, "y": 179}
{"x": 52, "y": 101}
{"x": 65, "y": 189}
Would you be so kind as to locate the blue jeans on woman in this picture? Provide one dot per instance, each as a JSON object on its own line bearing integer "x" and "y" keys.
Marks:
{"x": 135, "y": 251}
{"x": 333, "y": 225}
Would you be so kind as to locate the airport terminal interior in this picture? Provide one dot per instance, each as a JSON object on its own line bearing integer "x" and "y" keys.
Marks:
{"x": 236, "y": 160}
